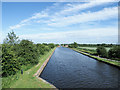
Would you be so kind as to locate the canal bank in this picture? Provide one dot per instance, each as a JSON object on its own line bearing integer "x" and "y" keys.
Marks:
{"x": 107, "y": 61}
{"x": 38, "y": 73}
{"x": 70, "y": 69}
{"x": 27, "y": 80}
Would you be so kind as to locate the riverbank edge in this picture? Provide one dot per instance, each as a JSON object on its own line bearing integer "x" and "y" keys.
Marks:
{"x": 98, "y": 58}
{"x": 38, "y": 73}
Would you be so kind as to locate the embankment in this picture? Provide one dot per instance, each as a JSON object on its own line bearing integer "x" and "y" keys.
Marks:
{"x": 105, "y": 60}
{"x": 37, "y": 74}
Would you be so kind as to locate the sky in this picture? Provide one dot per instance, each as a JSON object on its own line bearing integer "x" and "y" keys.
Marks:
{"x": 62, "y": 22}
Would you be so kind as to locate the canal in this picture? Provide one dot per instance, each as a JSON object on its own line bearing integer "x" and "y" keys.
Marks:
{"x": 69, "y": 69}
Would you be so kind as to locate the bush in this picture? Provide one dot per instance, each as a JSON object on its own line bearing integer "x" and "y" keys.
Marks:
{"x": 28, "y": 53}
{"x": 101, "y": 51}
{"x": 114, "y": 52}
{"x": 51, "y": 45}
{"x": 73, "y": 45}
{"x": 10, "y": 64}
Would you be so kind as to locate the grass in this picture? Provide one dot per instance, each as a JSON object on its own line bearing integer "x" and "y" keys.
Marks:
{"x": 27, "y": 80}
{"x": 94, "y": 48}
{"x": 115, "y": 63}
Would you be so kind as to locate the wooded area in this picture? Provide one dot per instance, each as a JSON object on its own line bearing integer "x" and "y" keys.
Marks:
{"x": 17, "y": 53}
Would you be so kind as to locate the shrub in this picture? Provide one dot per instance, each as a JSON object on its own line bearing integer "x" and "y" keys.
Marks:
{"x": 28, "y": 53}
{"x": 114, "y": 52}
{"x": 10, "y": 64}
{"x": 101, "y": 51}
{"x": 51, "y": 45}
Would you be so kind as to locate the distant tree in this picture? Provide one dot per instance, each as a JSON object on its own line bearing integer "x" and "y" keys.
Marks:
{"x": 41, "y": 48}
{"x": 101, "y": 51}
{"x": 51, "y": 45}
{"x": 114, "y": 52}
{"x": 44, "y": 43}
{"x": 103, "y": 44}
{"x": 75, "y": 45}
{"x": 56, "y": 44}
{"x": 11, "y": 39}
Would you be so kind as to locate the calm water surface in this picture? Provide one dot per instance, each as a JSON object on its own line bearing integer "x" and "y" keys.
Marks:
{"x": 69, "y": 69}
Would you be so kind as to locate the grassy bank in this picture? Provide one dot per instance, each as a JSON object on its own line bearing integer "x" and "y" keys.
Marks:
{"x": 108, "y": 61}
{"x": 27, "y": 80}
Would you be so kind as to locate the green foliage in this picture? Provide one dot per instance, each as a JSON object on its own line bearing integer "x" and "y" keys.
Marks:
{"x": 10, "y": 64}
{"x": 101, "y": 51}
{"x": 114, "y": 52}
{"x": 51, "y": 45}
{"x": 16, "y": 55}
{"x": 73, "y": 45}
{"x": 96, "y": 45}
{"x": 56, "y": 44}
{"x": 11, "y": 39}
{"x": 28, "y": 53}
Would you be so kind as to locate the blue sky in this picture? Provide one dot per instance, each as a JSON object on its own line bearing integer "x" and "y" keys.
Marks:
{"x": 62, "y": 22}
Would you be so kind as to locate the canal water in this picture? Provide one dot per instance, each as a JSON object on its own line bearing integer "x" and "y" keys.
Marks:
{"x": 70, "y": 69}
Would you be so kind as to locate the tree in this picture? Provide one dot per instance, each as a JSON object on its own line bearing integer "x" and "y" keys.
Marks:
{"x": 41, "y": 48}
{"x": 101, "y": 51}
{"x": 114, "y": 52}
{"x": 28, "y": 53}
{"x": 75, "y": 45}
{"x": 51, "y": 45}
{"x": 10, "y": 64}
{"x": 11, "y": 39}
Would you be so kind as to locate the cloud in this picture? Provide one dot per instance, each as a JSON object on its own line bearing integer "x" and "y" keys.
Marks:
{"x": 73, "y": 35}
{"x": 58, "y": 18}
{"x": 70, "y": 8}
{"x": 27, "y": 21}
{"x": 104, "y": 14}
{"x": 16, "y": 26}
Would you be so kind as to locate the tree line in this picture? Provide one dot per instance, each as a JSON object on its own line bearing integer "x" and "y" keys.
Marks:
{"x": 113, "y": 53}
{"x": 16, "y": 53}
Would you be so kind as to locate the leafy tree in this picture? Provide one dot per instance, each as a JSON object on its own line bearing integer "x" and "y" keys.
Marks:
{"x": 41, "y": 48}
{"x": 101, "y": 51}
{"x": 47, "y": 48}
{"x": 10, "y": 64}
{"x": 75, "y": 45}
{"x": 51, "y": 45}
{"x": 28, "y": 53}
{"x": 114, "y": 52}
{"x": 11, "y": 39}
{"x": 44, "y": 43}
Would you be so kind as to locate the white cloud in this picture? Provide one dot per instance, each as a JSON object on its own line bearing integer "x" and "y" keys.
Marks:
{"x": 77, "y": 7}
{"x": 58, "y": 18}
{"x": 27, "y": 21}
{"x": 73, "y": 35}
{"x": 104, "y": 14}
{"x": 16, "y": 26}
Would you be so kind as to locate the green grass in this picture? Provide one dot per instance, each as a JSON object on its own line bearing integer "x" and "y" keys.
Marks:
{"x": 115, "y": 63}
{"x": 27, "y": 80}
{"x": 94, "y": 48}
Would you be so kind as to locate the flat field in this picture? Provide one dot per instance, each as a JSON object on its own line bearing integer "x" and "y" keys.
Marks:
{"x": 94, "y": 48}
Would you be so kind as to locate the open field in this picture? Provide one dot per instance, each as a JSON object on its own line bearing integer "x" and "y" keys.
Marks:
{"x": 94, "y": 48}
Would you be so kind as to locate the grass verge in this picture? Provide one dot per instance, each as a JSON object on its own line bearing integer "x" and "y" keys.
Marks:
{"x": 27, "y": 80}
{"x": 114, "y": 63}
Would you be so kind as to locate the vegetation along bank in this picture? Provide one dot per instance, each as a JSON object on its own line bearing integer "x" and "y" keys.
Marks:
{"x": 111, "y": 56}
{"x": 20, "y": 61}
